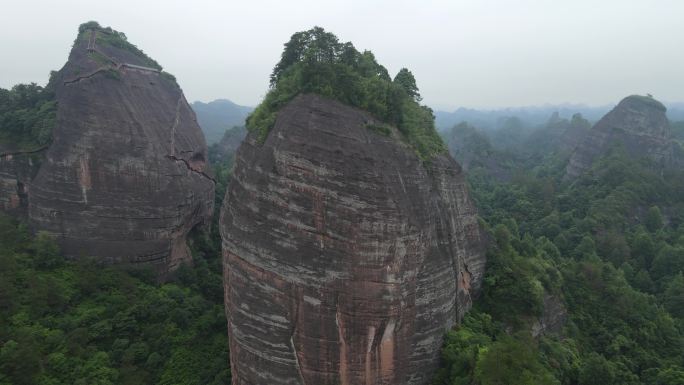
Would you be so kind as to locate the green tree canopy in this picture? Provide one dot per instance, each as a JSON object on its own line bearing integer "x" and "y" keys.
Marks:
{"x": 406, "y": 80}
{"x": 315, "y": 61}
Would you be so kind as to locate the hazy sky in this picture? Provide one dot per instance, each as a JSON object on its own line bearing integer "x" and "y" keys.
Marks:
{"x": 475, "y": 53}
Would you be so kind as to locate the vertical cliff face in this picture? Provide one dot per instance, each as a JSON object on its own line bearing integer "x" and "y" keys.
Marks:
{"x": 638, "y": 123}
{"x": 125, "y": 177}
{"x": 345, "y": 257}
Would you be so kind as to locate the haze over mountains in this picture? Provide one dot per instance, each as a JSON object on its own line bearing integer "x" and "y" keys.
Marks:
{"x": 219, "y": 115}
{"x": 532, "y": 115}
{"x": 332, "y": 236}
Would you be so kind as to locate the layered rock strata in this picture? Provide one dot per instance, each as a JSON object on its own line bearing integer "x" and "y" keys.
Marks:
{"x": 346, "y": 258}
{"x": 125, "y": 178}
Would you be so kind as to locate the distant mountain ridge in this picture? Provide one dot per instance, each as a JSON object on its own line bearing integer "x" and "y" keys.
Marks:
{"x": 532, "y": 115}
{"x": 217, "y": 116}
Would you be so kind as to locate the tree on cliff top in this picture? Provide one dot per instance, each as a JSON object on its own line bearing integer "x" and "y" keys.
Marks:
{"x": 406, "y": 80}
{"x": 315, "y": 61}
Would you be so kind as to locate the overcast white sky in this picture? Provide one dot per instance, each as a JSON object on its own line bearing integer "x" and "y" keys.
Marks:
{"x": 475, "y": 53}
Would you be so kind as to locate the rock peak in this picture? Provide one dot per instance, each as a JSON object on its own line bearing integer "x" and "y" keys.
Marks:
{"x": 346, "y": 257}
{"x": 642, "y": 102}
{"x": 638, "y": 123}
{"x": 125, "y": 178}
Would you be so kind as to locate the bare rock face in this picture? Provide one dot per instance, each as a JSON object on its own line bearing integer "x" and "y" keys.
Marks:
{"x": 125, "y": 177}
{"x": 638, "y": 123}
{"x": 345, "y": 258}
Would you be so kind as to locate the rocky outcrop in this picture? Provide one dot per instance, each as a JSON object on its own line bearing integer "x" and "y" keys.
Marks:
{"x": 553, "y": 318}
{"x": 345, "y": 257}
{"x": 125, "y": 178}
{"x": 638, "y": 123}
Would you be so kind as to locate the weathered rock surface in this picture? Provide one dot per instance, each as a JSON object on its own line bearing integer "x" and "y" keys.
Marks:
{"x": 125, "y": 177}
{"x": 638, "y": 123}
{"x": 17, "y": 170}
{"x": 553, "y": 318}
{"x": 345, "y": 257}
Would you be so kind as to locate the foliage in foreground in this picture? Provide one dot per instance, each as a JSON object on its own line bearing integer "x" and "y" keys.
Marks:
{"x": 64, "y": 322}
{"x": 314, "y": 61}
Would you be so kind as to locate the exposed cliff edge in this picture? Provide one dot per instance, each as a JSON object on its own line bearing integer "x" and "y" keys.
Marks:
{"x": 125, "y": 177}
{"x": 638, "y": 123}
{"x": 346, "y": 257}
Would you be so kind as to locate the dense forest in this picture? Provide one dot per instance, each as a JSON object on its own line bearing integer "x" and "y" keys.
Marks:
{"x": 609, "y": 246}
{"x": 78, "y": 322}
{"x": 27, "y": 116}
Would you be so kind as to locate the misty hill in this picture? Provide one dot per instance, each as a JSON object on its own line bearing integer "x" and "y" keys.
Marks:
{"x": 124, "y": 151}
{"x": 637, "y": 123}
{"x": 529, "y": 116}
{"x": 533, "y": 115}
{"x": 219, "y": 115}
{"x": 473, "y": 150}
{"x": 224, "y": 150}
{"x": 558, "y": 135}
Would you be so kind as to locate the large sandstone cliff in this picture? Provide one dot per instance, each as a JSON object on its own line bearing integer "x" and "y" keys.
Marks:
{"x": 125, "y": 178}
{"x": 638, "y": 123}
{"x": 345, "y": 258}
